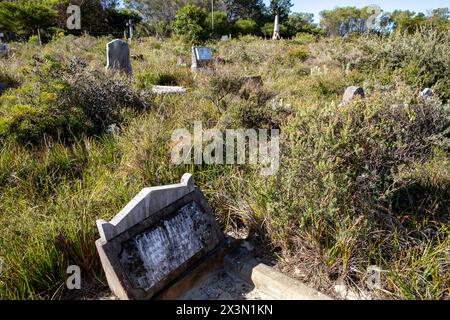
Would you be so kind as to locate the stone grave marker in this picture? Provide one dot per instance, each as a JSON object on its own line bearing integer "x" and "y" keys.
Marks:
{"x": 201, "y": 57}
{"x": 3, "y": 87}
{"x": 351, "y": 93}
{"x": 4, "y": 50}
{"x": 118, "y": 56}
{"x": 426, "y": 93}
{"x": 161, "y": 237}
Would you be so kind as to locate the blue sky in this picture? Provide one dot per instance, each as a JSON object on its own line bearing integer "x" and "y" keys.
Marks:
{"x": 315, "y": 6}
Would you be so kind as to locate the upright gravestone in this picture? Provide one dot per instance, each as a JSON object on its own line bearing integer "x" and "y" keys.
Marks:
{"x": 426, "y": 93}
{"x": 351, "y": 93}
{"x": 118, "y": 56}
{"x": 3, "y": 87}
{"x": 156, "y": 239}
{"x": 4, "y": 50}
{"x": 201, "y": 57}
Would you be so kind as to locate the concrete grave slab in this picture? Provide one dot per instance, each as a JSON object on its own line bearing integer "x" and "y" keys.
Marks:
{"x": 168, "y": 89}
{"x": 161, "y": 236}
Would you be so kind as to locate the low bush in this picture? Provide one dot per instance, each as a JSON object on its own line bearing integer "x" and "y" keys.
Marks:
{"x": 421, "y": 59}
{"x": 64, "y": 101}
{"x": 245, "y": 27}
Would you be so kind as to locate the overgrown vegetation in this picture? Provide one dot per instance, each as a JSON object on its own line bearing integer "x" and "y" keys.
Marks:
{"x": 359, "y": 185}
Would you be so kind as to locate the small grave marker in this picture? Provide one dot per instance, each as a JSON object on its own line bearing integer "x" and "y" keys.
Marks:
{"x": 201, "y": 57}
{"x": 426, "y": 93}
{"x": 351, "y": 93}
{"x": 3, "y": 87}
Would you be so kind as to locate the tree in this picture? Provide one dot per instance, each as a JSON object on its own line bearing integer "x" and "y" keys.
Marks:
{"x": 221, "y": 24}
{"x": 190, "y": 24}
{"x": 300, "y": 21}
{"x": 245, "y": 9}
{"x": 166, "y": 10}
{"x": 246, "y": 26}
{"x": 24, "y": 18}
{"x": 282, "y": 8}
{"x": 399, "y": 17}
{"x": 118, "y": 18}
{"x": 439, "y": 18}
{"x": 345, "y": 20}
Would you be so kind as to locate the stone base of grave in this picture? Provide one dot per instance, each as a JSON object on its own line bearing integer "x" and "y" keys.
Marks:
{"x": 168, "y": 90}
{"x": 200, "y": 272}
{"x": 267, "y": 280}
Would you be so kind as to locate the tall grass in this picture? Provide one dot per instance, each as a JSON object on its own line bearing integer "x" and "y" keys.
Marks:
{"x": 360, "y": 185}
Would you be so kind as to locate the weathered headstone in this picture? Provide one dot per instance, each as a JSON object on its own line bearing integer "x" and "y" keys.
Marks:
{"x": 351, "y": 93}
{"x": 181, "y": 61}
{"x": 3, "y": 87}
{"x": 118, "y": 56}
{"x": 162, "y": 234}
{"x": 224, "y": 38}
{"x": 4, "y": 50}
{"x": 201, "y": 57}
{"x": 426, "y": 93}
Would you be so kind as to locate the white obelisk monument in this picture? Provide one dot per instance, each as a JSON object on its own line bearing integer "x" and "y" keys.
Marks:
{"x": 276, "y": 29}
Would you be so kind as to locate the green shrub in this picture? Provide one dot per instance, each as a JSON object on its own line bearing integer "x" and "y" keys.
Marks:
{"x": 64, "y": 101}
{"x": 304, "y": 38}
{"x": 245, "y": 26}
{"x": 421, "y": 59}
{"x": 221, "y": 24}
{"x": 145, "y": 80}
{"x": 33, "y": 40}
{"x": 300, "y": 53}
{"x": 190, "y": 24}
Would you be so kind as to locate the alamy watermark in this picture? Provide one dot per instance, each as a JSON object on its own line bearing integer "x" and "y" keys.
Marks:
{"x": 372, "y": 21}
{"x": 74, "y": 20}
{"x": 215, "y": 147}
{"x": 74, "y": 279}
{"x": 374, "y": 278}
